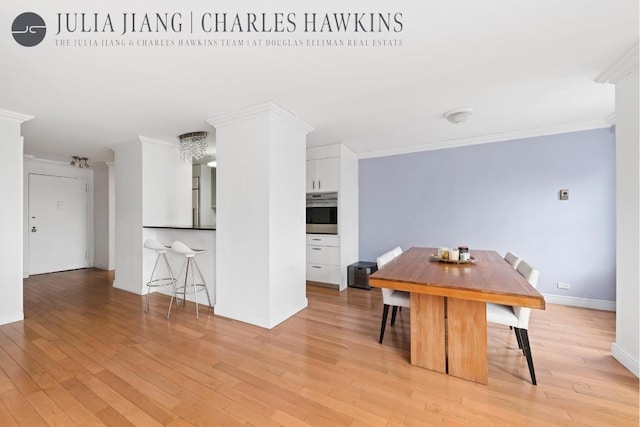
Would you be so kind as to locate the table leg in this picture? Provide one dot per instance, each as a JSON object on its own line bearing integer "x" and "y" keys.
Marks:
{"x": 467, "y": 339}
{"x": 428, "y": 332}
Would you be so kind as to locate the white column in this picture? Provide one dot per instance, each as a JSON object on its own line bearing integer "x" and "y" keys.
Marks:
{"x": 260, "y": 204}
{"x": 11, "y": 223}
{"x": 624, "y": 74}
{"x": 152, "y": 187}
{"x": 104, "y": 211}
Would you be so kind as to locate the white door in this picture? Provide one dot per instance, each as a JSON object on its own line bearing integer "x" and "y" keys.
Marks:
{"x": 57, "y": 223}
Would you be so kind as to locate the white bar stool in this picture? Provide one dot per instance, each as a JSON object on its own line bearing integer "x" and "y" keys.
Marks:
{"x": 161, "y": 252}
{"x": 189, "y": 264}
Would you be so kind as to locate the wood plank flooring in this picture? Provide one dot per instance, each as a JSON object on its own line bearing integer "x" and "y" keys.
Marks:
{"x": 87, "y": 355}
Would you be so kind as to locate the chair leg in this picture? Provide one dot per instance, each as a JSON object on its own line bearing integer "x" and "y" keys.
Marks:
{"x": 206, "y": 290}
{"x": 385, "y": 313}
{"x": 518, "y": 338}
{"x": 146, "y": 303}
{"x": 524, "y": 336}
{"x": 393, "y": 315}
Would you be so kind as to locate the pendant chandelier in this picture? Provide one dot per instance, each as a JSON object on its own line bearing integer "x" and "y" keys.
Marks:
{"x": 193, "y": 145}
{"x": 78, "y": 161}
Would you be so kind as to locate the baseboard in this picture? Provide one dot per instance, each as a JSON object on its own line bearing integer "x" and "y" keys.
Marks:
{"x": 595, "y": 304}
{"x": 100, "y": 266}
{"x": 625, "y": 359}
{"x": 10, "y": 318}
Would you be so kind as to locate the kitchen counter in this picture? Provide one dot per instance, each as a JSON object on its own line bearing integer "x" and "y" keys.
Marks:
{"x": 182, "y": 227}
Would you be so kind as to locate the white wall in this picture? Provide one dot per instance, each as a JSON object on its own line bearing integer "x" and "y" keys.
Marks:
{"x": 11, "y": 223}
{"x": 104, "y": 208}
{"x": 128, "y": 209}
{"x": 63, "y": 169}
{"x": 625, "y": 349}
{"x": 166, "y": 185}
{"x": 348, "y": 212}
{"x": 152, "y": 187}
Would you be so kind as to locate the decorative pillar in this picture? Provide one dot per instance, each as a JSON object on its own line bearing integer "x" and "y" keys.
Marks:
{"x": 11, "y": 223}
{"x": 260, "y": 247}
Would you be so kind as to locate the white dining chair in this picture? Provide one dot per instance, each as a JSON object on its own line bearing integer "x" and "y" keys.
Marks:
{"x": 512, "y": 259}
{"x": 397, "y": 251}
{"x": 390, "y": 297}
{"x": 517, "y": 317}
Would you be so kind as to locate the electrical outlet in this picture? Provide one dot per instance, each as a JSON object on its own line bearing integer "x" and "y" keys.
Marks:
{"x": 563, "y": 285}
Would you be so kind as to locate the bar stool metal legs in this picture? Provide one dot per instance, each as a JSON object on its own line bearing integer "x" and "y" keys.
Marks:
{"x": 196, "y": 284}
{"x": 161, "y": 252}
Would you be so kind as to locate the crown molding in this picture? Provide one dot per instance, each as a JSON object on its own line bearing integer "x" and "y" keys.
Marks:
{"x": 232, "y": 118}
{"x": 143, "y": 140}
{"x": 611, "y": 119}
{"x": 164, "y": 144}
{"x": 11, "y": 115}
{"x": 485, "y": 139}
{"x": 620, "y": 68}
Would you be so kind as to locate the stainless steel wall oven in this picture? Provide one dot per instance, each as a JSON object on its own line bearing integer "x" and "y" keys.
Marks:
{"x": 322, "y": 213}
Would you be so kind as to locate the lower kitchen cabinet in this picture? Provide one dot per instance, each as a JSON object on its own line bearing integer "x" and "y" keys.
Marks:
{"x": 323, "y": 258}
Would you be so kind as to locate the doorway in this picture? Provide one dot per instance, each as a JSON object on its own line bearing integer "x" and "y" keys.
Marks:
{"x": 58, "y": 222}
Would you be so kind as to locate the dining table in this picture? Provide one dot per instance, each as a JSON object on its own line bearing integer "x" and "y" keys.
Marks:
{"x": 448, "y": 318}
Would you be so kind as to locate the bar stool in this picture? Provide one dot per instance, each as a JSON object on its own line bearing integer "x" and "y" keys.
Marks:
{"x": 161, "y": 252}
{"x": 189, "y": 265}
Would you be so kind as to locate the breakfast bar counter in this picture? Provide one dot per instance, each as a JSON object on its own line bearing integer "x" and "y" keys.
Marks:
{"x": 198, "y": 237}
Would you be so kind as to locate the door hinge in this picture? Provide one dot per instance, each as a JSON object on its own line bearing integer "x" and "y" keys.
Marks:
{"x": 86, "y": 255}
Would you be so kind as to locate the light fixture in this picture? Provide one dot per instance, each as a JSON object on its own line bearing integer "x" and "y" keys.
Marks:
{"x": 80, "y": 162}
{"x": 458, "y": 115}
{"x": 212, "y": 163}
{"x": 193, "y": 145}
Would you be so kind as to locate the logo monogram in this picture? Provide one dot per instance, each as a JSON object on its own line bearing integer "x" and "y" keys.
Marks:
{"x": 28, "y": 29}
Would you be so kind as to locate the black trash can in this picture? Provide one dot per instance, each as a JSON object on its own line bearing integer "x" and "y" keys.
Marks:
{"x": 358, "y": 274}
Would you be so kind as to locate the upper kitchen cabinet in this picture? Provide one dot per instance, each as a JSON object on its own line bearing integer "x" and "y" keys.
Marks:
{"x": 323, "y": 174}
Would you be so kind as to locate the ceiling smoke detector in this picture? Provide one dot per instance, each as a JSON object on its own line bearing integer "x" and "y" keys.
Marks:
{"x": 458, "y": 115}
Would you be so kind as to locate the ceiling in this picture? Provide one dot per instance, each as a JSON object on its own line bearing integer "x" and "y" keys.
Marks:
{"x": 525, "y": 67}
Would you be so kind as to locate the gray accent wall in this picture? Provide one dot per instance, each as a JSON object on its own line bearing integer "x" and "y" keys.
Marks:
{"x": 503, "y": 196}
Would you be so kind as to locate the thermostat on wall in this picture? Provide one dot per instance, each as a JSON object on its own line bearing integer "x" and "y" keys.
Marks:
{"x": 564, "y": 194}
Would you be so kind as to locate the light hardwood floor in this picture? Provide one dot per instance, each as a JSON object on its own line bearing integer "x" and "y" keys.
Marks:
{"x": 86, "y": 354}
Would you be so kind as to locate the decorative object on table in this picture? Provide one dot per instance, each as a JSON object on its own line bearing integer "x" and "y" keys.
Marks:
{"x": 464, "y": 253}
{"x": 443, "y": 253}
{"x": 193, "y": 145}
{"x": 80, "y": 162}
{"x": 435, "y": 257}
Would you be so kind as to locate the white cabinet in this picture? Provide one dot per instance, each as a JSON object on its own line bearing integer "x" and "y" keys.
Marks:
{"x": 323, "y": 258}
{"x": 323, "y": 174}
{"x": 334, "y": 168}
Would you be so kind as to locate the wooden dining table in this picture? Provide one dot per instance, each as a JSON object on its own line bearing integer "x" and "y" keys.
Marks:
{"x": 448, "y": 306}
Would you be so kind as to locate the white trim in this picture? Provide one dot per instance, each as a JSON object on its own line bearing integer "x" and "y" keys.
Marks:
{"x": 625, "y": 359}
{"x": 100, "y": 266}
{"x": 11, "y": 318}
{"x": 6, "y": 114}
{"x": 611, "y": 119}
{"x": 228, "y": 119}
{"x": 594, "y": 304}
{"x": 484, "y": 139}
{"x": 620, "y": 68}
{"x": 165, "y": 144}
